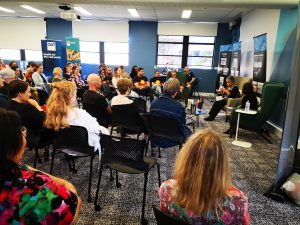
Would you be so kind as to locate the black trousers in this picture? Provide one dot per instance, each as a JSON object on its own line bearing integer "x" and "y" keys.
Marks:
{"x": 217, "y": 107}
{"x": 147, "y": 91}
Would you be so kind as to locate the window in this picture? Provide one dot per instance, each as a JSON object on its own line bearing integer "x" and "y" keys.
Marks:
{"x": 116, "y": 53}
{"x": 33, "y": 55}
{"x": 10, "y": 54}
{"x": 90, "y": 52}
{"x": 178, "y": 51}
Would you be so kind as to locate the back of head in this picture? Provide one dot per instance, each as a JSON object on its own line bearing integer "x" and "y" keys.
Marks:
{"x": 58, "y": 103}
{"x": 230, "y": 78}
{"x": 11, "y": 140}
{"x": 124, "y": 85}
{"x": 202, "y": 172}
{"x": 93, "y": 79}
{"x": 171, "y": 86}
{"x": 17, "y": 86}
{"x": 247, "y": 88}
{"x": 7, "y": 73}
{"x": 57, "y": 70}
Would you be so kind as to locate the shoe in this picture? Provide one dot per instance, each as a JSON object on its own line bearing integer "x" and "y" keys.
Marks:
{"x": 209, "y": 118}
{"x": 227, "y": 131}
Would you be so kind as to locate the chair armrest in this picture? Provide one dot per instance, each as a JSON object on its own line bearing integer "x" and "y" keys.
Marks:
{"x": 234, "y": 102}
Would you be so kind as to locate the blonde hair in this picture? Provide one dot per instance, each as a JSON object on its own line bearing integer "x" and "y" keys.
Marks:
{"x": 58, "y": 104}
{"x": 56, "y": 69}
{"x": 202, "y": 173}
{"x": 124, "y": 85}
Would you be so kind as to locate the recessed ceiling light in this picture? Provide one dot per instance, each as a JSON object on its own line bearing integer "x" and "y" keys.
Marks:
{"x": 133, "y": 12}
{"x": 83, "y": 11}
{"x": 32, "y": 9}
{"x": 6, "y": 10}
{"x": 186, "y": 14}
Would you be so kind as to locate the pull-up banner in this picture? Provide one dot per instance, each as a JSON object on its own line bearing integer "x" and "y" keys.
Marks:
{"x": 224, "y": 65}
{"x": 72, "y": 50}
{"x": 260, "y": 58}
{"x": 235, "y": 59}
{"x": 52, "y": 51}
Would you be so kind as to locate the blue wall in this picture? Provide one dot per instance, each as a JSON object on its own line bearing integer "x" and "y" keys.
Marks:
{"x": 143, "y": 45}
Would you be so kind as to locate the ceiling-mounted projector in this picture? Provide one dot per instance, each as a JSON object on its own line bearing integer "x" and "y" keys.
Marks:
{"x": 69, "y": 16}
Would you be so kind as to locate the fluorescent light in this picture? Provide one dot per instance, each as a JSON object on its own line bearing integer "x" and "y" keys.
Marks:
{"x": 133, "y": 12}
{"x": 6, "y": 10}
{"x": 83, "y": 11}
{"x": 186, "y": 14}
{"x": 32, "y": 9}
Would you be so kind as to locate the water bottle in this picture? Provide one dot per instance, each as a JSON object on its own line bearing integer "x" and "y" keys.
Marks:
{"x": 247, "y": 107}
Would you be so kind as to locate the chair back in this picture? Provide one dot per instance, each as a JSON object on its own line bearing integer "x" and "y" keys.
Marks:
{"x": 94, "y": 111}
{"x": 271, "y": 93}
{"x": 74, "y": 138}
{"x": 140, "y": 103}
{"x": 164, "y": 218}
{"x": 128, "y": 117}
{"x": 164, "y": 126}
{"x": 125, "y": 151}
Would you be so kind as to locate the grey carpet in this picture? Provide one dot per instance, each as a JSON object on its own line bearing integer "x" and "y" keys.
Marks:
{"x": 253, "y": 171}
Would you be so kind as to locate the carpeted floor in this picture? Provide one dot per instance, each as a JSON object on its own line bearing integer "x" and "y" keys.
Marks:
{"x": 253, "y": 171}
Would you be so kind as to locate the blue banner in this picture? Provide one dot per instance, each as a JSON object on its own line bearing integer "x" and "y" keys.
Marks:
{"x": 260, "y": 43}
{"x": 236, "y": 46}
{"x": 226, "y": 48}
{"x": 260, "y": 58}
{"x": 52, "y": 51}
{"x": 235, "y": 59}
{"x": 73, "y": 50}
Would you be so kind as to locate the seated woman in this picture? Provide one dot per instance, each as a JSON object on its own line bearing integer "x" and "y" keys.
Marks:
{"x": 41, "y": 83}
{"x": 57, "y": 72}
{"x": 157, "y": 82}
{"x": 29, "y": 196}
{"x": 248, "y": 95}
{"x": 232, "y": 91}
{"x": 62, "y": 113}
{"x": 76, "y": 76}
{"x": 201, "y": 191}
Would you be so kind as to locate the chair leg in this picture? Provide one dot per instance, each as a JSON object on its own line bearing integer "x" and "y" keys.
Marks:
{"x": 143, "y": 219}
{"x": 118, "y": 184}
{"x": 159, "y": 156}
{"x": 52, "y": 161}
{"x": 152, "y": 154}
{"x": 90, "y": 179}
{"x": 158, "y": 173}
{"x": 69, "y": 163}
{"x": 264, "y": 137}
{"x": 46, "y": 154}
{"x": 111, "y": 129}
{"x": 35, "y": 157}
{"x": 147, "y": 145}
{"x": 111, "y": 177}
{"x": 74, "y": 167}
{"x": 97, "y": 207}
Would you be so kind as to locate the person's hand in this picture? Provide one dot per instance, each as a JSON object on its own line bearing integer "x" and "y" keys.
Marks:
{"x": 35, "y": 104}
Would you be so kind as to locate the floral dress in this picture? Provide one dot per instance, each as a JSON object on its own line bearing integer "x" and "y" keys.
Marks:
{"x": 234, "y": 208}
{"x": 34, "y": 198}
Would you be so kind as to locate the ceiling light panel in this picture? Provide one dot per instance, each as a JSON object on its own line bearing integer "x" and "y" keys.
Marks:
{"x": 186, "y": 14}
{"x": 6, "y": 10}
{"x": 134, "y": 12}
{"x": 33, "y": 9}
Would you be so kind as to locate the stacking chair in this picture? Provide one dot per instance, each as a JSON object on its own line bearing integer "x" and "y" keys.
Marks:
{"x": 126, "y": 155}
{"x": 73, "y": 142}
{"x": 163, "y": 127}
{"x": 127, "y": 119}
{"x": 140, "y": 103}
{"x": 164, "y": 218}
{"x": 94, "y": 111}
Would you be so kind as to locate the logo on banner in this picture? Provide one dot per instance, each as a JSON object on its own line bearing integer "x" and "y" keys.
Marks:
{"x": 51, "y": 46}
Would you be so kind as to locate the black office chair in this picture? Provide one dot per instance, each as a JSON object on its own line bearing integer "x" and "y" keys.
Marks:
{"x": 73, "y": 142}
{"x": 126, "y": 155}
{"x": 165, "y": 219}
{"x": 163, "y": 127}
{"x": 94, "y": 111}
{"x": 128, "y": 119}
{"x": 140, "y": 103}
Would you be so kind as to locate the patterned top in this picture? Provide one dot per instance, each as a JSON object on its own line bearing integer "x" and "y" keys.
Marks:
{"x": 34, "y": 198}
{"x": 78, "y": 80}
{"x": 234, "y": 208}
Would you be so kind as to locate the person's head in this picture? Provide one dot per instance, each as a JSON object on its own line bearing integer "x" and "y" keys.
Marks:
{"x": 247, "y": 88}
{"x": 61, "y": 99}
{"x": 8, "y": 75}
{"x": 94, "y": 82}
{"x": 39, "y": 68}
{"x": 122, "y": 68}
{"x": 12, "y": 139}
{"x": 20, "y": 90}
{"x": 157, "y": 73}
{"x": 31, "y": 66}
{"x": 18, "y": 71}
{"x": 186, "y": 69}
{"x": 141, "y": 71}
{"x": 173, "y": 73}
{"x": 202, "y": 172}
{"x": 171, "y": 87}
{"x": 109, "y": 70}
{"x": 117, "y": 71}
{"x": 230, "y": 81}
{"x": 124, "y": 86}
{"x": 134, "y": 69}
{"x": 70, "y": 65}
{"x": 103, "y": 68}
{"x": 13, "y": 64}
{"x": 57, "y": 71}
{"x": 67, "y": 69}
{"x": 75, "y": 70}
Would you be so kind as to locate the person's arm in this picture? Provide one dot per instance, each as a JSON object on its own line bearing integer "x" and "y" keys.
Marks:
{"x": 36, "y": 80}
{"x": 234, "y": 92}
{"x": 136, "y": 85}
{"x": 108, "y": 109}
{"x": 35, "y": 104}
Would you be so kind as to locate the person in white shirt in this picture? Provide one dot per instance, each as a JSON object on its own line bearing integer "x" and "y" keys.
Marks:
{"x": 61, "y": 113}
{"x": 124, "y": 86}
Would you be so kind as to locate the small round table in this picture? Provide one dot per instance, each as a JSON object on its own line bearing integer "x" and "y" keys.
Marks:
{"x": 242, "y": 143}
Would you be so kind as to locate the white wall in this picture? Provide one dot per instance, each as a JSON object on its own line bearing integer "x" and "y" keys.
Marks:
{"x": 196, "y": 29}
{"x": 255, "y": 23}
{"x": 22, "y": 33}
{"x": 101, "y": 31}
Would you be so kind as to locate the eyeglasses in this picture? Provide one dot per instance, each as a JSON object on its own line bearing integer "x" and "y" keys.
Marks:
{"x": 24, "y": 131}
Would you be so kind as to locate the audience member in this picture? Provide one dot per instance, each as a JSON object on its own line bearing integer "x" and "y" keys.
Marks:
{"x": 190, "y": 80}
{"x": 76, "y": 76}
{"x": 117, "y": 76}
{"x": 201, "y": 191}
{"x": 124, "y": 86}
{"x": 165, "y": 105}
{"x": 62, "y": 113}
{"x": 19, "y": 74}
{"x": 232, "y": 91}
{"x": 31, "y": 68}
{"x": 134, "y": 71}
{"x": 57, "y": 72}
{"x": 124, "y": 74}
{"x": 41, "y": 83}
{"x": 180, "y": 94}
{"x": 29, "y": 196}
{"x": 4, "y": 100}
{"x": 142, "y": 86}
{"x": 98, "y": 101}
{"x": 67, "y": 73}
{"x": 157, "y": 82}
{"x": 8, "y": 75}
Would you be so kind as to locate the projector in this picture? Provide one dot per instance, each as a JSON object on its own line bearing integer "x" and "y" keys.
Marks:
{"x": 70, "y": 16}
